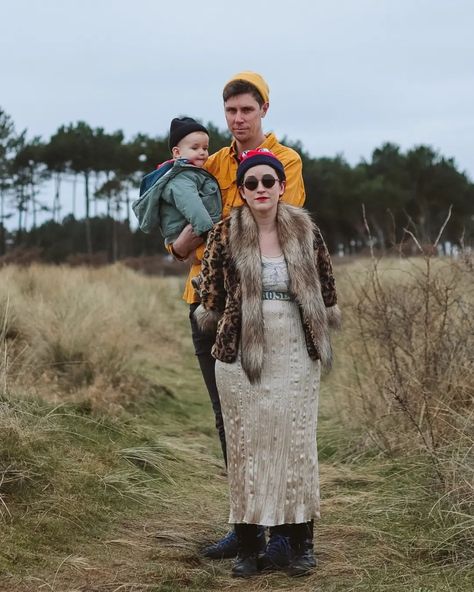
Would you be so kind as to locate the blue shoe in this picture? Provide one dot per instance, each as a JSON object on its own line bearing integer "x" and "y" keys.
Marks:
{"x": 225, "y": 548}
{"x": 277, "y": 553}
{"x": 228, "y": 546}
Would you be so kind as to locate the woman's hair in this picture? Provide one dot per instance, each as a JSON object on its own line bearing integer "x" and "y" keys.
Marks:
{"x": 241, "y": 87}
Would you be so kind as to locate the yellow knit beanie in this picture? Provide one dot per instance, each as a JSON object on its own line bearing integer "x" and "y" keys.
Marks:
{"x": 254, "y": 79}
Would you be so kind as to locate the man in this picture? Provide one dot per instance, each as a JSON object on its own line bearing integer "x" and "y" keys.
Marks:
{"x": 246, "y": 102}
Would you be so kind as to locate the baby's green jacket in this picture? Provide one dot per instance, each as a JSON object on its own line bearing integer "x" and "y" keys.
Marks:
{"x": 185, "y": 194}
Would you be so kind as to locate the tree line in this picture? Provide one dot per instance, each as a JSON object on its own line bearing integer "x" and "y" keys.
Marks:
{"x": 398, "y": 191}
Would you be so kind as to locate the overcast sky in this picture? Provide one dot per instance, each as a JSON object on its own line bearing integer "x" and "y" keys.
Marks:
{"x": 344, "y": 75}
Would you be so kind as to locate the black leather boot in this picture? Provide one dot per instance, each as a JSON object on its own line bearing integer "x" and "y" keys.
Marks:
{"x": 245, "y": 564}
{"x": 301, "y": 541}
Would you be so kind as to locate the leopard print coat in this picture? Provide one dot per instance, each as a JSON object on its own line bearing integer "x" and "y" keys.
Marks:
{"x": 231, "y": 289}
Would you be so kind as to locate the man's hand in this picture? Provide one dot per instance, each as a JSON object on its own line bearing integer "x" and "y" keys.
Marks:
{"x": 186, "y": 243}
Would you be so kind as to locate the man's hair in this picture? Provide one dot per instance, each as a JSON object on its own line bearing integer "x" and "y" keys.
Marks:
{"x": 241, "y": 87}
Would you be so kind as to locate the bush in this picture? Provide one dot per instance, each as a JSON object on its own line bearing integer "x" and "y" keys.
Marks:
{"x": 408, "y": 379}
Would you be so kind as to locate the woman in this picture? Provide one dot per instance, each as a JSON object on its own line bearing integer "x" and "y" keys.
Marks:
{"x": 267, "y": 281}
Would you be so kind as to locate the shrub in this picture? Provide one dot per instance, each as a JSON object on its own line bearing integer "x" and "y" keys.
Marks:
{"x": 407, "y": 369}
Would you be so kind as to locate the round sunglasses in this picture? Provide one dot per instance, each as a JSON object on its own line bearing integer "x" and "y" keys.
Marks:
{"x": 268, "y": 181}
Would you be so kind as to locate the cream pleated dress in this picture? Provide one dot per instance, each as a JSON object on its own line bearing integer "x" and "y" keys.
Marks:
{"x": 270, "y": 427}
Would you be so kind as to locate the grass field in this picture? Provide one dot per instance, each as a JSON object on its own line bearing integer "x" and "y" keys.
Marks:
{"x": 110, "y": 473}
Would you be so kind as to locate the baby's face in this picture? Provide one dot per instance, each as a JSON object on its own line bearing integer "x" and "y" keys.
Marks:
{"x": 194, "y": 147}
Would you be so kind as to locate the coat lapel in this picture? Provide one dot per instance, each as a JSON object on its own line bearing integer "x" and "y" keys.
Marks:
{"x": 245, "y": 251}
{"x": 296, "y": 232}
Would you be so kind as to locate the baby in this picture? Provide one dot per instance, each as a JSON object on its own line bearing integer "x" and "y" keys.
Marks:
{"x": 180, "y": 191}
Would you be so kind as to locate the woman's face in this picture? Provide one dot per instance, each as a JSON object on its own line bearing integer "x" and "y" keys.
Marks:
{"x": 261, "y": 189}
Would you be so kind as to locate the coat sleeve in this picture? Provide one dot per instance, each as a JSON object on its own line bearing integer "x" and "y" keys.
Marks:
{"x": 326, "y": 278}
{"x": 182, "y": 191}
{"x": 213, "y": 293}
{"x": 294, "y": 191}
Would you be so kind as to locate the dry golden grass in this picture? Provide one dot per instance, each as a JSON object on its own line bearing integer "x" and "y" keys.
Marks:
{"x": 85, "y": 334}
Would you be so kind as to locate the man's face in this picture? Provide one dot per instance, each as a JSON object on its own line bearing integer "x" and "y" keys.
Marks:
{"x": 244, "y": 117}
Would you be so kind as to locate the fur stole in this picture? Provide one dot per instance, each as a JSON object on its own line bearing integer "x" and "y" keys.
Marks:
{"x": 296, "y": 235}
